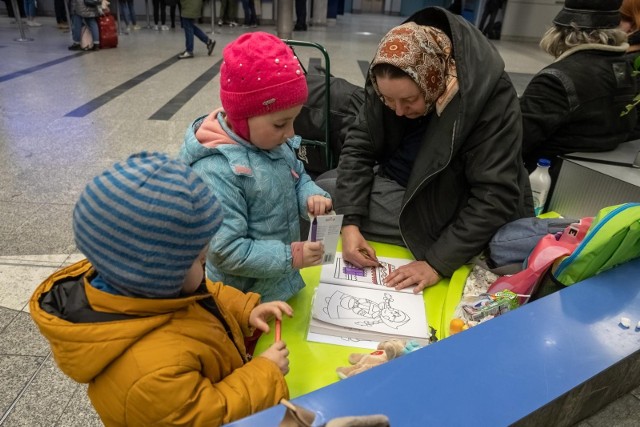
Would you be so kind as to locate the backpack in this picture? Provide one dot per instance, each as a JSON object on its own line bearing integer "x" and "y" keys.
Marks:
{"x": 612, "y": 239}
{"x": 582, "y": 250}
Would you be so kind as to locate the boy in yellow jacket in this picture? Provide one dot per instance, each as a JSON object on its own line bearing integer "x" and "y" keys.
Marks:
{"x": 158, "y": 343}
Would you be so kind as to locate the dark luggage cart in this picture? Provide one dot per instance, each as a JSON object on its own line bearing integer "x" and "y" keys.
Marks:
{"x": 314, "y": 152}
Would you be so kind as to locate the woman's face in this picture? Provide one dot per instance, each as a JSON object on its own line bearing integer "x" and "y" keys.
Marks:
{"x": 403, "y": 96}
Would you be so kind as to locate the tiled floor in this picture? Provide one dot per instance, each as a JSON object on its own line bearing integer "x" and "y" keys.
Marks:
{"x": 65, "y": 116}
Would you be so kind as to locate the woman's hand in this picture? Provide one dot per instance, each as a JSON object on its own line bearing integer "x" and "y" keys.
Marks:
{"x": 418, "y": 273}
{"x": 355, "y": 248}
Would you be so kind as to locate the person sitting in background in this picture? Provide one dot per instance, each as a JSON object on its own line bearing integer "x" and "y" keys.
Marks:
{"x": 433, "y": 162}
{"x": 575, "y": 103}
{"x": 630, "y": 24}
{"x": 246, "y": 152}
{"x": 157, "y": 342}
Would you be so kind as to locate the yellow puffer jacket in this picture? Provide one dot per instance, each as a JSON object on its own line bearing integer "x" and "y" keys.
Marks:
{"x": 156, "y": 361}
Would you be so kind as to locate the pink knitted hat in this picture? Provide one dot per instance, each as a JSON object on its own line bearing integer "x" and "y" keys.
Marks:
{"x": 259, "y": 75}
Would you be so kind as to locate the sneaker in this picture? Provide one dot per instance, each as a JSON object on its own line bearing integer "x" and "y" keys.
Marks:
{"x": 164, "y": 28}
{"x": 220, "y": 23}
{"x": 210, "y": 45}
{"x": 233, "y": 24}
{"x": 93, "y": 48}
{"x": 156, "y": 27}
{"x": 33, "y": 24}
{"x": 135, "y": 27}
{"x": 75, "y": 46}
{"x": 185, "y": 55}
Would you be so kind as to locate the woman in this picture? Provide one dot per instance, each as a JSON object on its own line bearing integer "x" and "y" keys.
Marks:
{"x": 433, "y": 162}
{"x": 574, "y": 104}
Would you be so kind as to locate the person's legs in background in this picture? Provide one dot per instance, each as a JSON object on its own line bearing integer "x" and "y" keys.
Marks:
{"x": 250, "y": 18}
{"x": 301, "y": 15}
{"x": 187, "y": 26}
{"x": 156, "y": 14}
{"x": 124, "y": 15}
{"x": 92, "y": 23}
{"x": 30, "y": 12}
{"x": 76, "y": 28}
{"x": 61, "y": 15}
{"x": 132, "y": 15}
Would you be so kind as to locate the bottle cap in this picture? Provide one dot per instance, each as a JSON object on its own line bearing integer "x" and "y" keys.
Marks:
{"x": 544, "y": 162}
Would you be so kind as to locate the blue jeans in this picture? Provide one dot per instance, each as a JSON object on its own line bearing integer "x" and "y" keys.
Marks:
{"x": 127, "y": 12}
{"x": 249, "y": 12}
{"x": 190, "y": 28}
{"x": 76, "y": 28}
{"x": 30, "y": 8}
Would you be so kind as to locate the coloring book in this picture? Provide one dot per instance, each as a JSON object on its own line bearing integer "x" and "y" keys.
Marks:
{"x": 352, "y": 304}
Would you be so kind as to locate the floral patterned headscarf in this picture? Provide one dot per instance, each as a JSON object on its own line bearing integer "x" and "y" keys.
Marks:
{"x": 424, "y": 53}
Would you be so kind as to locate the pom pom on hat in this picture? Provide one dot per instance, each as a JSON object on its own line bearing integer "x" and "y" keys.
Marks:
{"x": 589, "y": 14}
{"x": 143, "y": 222}
{"x": 259, "y": 75}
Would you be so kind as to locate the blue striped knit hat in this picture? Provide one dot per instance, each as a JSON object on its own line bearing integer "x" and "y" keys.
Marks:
{"x": 143, "y": 222}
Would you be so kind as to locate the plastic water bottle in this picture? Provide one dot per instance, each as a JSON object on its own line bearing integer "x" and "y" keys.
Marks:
{"x": 540, "y": 185}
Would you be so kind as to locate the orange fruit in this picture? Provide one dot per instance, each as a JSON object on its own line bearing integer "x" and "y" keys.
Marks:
{"x": 456, "y": 325}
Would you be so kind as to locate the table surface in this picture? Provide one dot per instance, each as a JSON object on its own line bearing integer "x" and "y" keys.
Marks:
{"x": 498, "y": 371}
{"x": 313, "y": 365}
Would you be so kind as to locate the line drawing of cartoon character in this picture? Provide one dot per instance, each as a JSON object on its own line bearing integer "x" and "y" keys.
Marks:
{"x": 365, "y": 311}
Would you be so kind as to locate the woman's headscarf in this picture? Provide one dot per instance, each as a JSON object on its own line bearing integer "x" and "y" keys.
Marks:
{"x": 424, "y": 54}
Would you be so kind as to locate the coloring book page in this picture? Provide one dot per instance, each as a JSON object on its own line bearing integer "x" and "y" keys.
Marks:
{"x": 371, "y": 310}
{"x": 342, "y": 272}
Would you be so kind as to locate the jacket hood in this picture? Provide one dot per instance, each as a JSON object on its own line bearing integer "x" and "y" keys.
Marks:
{"x": 85, "y": 336}
{"x": 479, "y": 64}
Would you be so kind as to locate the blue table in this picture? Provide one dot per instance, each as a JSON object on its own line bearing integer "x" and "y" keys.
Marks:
{"x": 498, "y": 372}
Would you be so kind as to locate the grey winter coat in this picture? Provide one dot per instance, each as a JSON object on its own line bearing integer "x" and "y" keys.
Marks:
{"x": 79, "y": 8}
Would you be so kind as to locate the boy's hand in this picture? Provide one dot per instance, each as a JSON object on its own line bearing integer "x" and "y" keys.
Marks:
{"x": 262, "y": 313}
{"x": 312, "y": 253}
{"x": 319, "y": 205}
{"x": 278, "y": 354}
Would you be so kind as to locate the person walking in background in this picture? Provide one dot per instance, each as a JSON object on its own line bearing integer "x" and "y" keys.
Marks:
{"x": 159, "y": 15}
{"x": 30, "y": 12}
{"x": 301, "y": 16}
{"x": 575, "y": 103}
{"x": 176, "y": 352}
{"x": 250, "y": 18}
{"x": 228, "y": 13}
{"x": 128, "y": 15}
{"x": 190, "y": 11}
{"x": 81, "y": 13}
{"x": 245, "y": 151}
